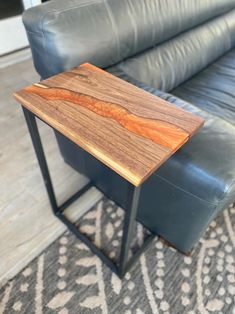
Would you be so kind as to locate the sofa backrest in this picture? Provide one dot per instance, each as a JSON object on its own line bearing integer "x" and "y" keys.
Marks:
{"x": 64, "y": 34}
{"x": 167, "y": 65}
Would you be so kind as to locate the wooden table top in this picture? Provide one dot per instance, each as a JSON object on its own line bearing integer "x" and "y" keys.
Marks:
{"x": 128, "y": 129}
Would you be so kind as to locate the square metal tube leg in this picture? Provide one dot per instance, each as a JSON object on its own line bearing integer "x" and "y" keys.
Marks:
{"x": 37, "y": 144}
{"x": 128, "y": 227}
{"x": 130, "y": 215}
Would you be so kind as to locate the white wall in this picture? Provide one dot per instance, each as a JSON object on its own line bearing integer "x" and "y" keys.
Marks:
{"x": 30, "y": 3}
{"x": 12, "y": 33}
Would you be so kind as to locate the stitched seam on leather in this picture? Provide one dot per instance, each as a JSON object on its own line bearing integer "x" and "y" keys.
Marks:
{"x": 185, "y": 191}
{"x": 229, "y": 187}
{"x": 226, "y": 191}
{"x": 73, "y": 7}
{"x": 35, "y": 33}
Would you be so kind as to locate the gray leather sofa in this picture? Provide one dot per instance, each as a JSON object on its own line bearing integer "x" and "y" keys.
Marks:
{"x": 182, "y": 51}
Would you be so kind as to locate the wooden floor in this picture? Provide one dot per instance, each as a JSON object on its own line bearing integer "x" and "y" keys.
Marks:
{"x": 26, "y": 224}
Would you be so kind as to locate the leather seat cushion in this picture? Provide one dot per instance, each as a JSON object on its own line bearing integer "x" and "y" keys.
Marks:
{"x": 205, "y": 166}
{"x": 213, "y": 89}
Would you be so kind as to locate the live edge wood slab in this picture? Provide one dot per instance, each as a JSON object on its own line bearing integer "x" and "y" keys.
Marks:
{"x": 126, "y": 128}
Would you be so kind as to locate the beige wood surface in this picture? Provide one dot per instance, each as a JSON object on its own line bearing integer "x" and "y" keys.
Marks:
{"x": 131, "y": 131}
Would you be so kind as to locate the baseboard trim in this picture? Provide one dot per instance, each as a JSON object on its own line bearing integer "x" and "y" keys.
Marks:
{"x": 15, "y": 57}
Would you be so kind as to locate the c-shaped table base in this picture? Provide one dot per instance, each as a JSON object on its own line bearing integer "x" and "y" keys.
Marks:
{"x": 123, "y": 264}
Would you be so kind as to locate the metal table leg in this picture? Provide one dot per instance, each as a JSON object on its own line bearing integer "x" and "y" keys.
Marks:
{"x": 123, "y": 264}
{"x": 37, "y": 144}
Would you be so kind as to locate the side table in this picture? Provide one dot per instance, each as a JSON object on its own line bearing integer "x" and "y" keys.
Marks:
{"x": 127, "y": 129}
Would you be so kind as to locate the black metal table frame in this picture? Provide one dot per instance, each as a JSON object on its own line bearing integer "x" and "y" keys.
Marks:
{"x": 123, "y": 264}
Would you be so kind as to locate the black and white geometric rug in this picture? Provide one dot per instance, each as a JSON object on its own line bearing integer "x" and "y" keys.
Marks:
{"x": 68, "y": 278}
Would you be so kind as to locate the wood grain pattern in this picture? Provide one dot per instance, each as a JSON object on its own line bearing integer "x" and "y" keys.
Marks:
{"x": 160, "y": 132}
{"x": 128, "y": 129}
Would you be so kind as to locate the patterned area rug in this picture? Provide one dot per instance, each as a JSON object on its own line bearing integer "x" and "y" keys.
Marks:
{"x": 68, "y": 278}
